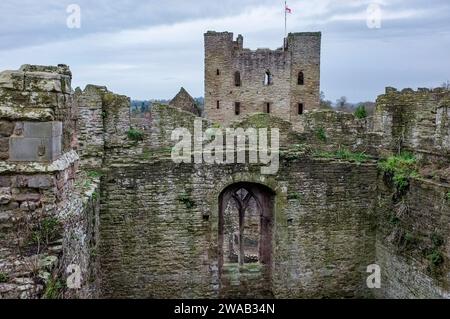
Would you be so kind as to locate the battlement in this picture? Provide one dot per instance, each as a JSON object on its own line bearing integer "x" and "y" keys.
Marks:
{"x": 439, "y": 90}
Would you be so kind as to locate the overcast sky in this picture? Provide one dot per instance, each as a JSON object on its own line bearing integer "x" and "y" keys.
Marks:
{"x": 149, "y": 49}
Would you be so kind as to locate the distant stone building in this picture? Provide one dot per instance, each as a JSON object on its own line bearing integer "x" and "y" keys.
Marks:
{"x": 238, "y": 81}
{"x": 184, "y": 101}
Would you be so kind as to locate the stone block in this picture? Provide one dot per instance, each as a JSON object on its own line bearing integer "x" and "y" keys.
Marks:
{"x": 19, "y": 181}
{"x": 43, "y": 81}
{"x": 25, "y": 149}
{"x": 5, "y": 181}
{"x": 4, "y": 144}
{"x": 18, "y": 129}
{"x": 12, "y": 80}
{"x": 44, "y": 181}
{"x": 29, "y": 197}
{"x": 5, "y": 195}
{"x": 42, "y": 129}
{"x": 66, "y": 84}
{"x": 44, "y": 99}
{"x": 6, "y": 128}
{"x": 14, "y": 98}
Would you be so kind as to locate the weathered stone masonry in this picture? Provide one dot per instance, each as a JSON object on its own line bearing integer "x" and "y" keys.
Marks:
{"x": 234, "y": 74}
{"x": 47, "y": 212}
{"x": 81, "y": 185}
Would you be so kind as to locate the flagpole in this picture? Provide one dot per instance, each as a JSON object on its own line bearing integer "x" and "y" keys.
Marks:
{"x": 285, "y": 19}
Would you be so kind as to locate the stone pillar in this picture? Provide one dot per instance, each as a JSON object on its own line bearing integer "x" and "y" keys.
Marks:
{"x": 38, "y": 165}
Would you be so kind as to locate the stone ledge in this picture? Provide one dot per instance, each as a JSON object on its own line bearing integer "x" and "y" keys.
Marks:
{"x": 26, "y": 114}
{"x": 59, "y": 165}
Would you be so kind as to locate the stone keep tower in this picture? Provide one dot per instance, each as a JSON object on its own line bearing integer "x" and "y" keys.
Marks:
{"x": 284, "y": 82}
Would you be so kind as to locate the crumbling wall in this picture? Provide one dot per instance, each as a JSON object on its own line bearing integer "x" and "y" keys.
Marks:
{"x": 412, "y": 237}
{"x": 103, "y": 124}
{"x": 415, "y": 120}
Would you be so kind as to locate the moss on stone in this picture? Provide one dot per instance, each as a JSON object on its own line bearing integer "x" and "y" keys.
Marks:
{"x": 135, "y": 135}
{"x": 186, "y": 200}
{"x": 343, "y": 154}
{"x": 3, "y": 277}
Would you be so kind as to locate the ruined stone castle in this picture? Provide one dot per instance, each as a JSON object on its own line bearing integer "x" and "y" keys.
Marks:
{"x": 239, "y": 81}
{"x": 93, "y": 206}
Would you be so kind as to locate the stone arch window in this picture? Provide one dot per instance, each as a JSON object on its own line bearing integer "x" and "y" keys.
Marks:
{"x": 301, "y": 78}
{"x": 217, "y": 72}
{"x": 246, "y": 217}
{"x": 237, "y": 78}
{"x": 237, "y": 108}
{"x": 301, "y": 108}
{"x": 268, "y": 78}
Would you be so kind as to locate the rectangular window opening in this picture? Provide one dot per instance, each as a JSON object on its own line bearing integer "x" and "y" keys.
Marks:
{"x": 301, "y": 108}
{"x": 237, "y": 108}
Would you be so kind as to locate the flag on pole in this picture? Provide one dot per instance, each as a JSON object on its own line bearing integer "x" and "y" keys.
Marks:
{"x": 288, "y": 10}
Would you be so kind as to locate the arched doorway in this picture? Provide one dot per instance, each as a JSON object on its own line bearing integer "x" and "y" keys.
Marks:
{"x": 246, "y": 213}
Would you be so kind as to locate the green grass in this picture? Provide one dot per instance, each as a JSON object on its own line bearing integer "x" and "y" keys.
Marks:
{"x": 46, "y": 231}
{"x": 435, "y": 258}
{"x": 321, "y": 134}
{"x": 360, "y": 112}
{"x": 135, "y": 135}
{"x": 344, "y": 155}
{"x": 94, "y": 174}
{"x": 53, "y": 289}
{"x": 400, "y": 168}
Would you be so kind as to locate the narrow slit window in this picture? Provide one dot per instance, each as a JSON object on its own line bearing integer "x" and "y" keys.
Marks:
{"x": 268, "y": 79}
{"x": 237, "y": 78}
{"x": 301, "y": 108}
{"x": 237, "y": 108}
{"x": 267, "y": 107}
{"x": 217, "y": 72}
{"x": 218, "y": 104}
{"x": 301, "y": 78}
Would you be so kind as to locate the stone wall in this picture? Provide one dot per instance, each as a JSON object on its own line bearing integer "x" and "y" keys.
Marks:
{"x": 117, "y": 217}
{"x": 412, "y": 241}
{"x": 224, "y": 57}
{"x": 330, "y": 130}
{"x": 103, "y": 123}
{"x": 45, "y": 217}
{"x": 324, "y": 232}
